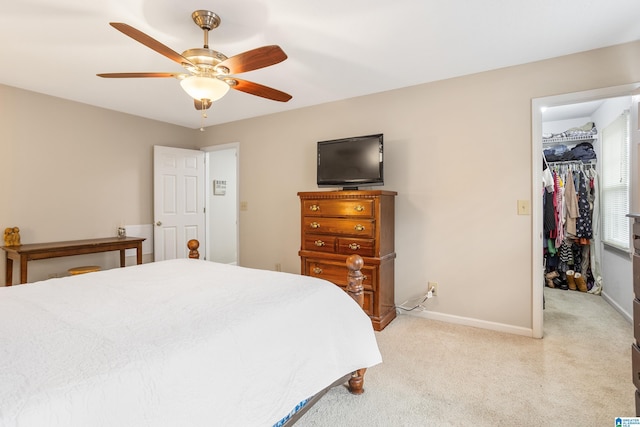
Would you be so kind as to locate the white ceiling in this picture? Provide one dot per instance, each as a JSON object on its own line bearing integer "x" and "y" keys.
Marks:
{"x": 571, "y": 111}
{"x": 337, "y": 49}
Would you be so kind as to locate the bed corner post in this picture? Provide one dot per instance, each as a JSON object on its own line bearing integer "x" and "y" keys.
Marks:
{"x": 193, "y": 246}
{"x": 354, "y": 278}
{"x": 355, "y": 290}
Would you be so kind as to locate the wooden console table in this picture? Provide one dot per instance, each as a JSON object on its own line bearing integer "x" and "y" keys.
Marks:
{"x": 29, "y": 252}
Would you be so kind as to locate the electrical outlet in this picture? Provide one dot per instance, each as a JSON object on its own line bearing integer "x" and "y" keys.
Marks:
{"x": 434, "y": 288}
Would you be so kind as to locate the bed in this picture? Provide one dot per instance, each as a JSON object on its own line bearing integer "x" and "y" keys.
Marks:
{"x": 179, "y": 342}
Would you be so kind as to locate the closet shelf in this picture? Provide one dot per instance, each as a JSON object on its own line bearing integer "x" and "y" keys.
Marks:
{"x": 569, "y": 140}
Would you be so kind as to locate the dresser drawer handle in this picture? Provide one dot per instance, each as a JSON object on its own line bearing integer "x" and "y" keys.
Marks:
{"x": 314, "y": 225}
{"x": 359, "y": 208}
{"x": 314, "y": 208}
{"x": 354, "y": 246}
{"x": 317, "y": 270}
{"x": 318, "y": 243}
{"x": 359, "y": 227}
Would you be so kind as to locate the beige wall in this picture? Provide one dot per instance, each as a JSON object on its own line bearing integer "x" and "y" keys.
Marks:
{"x": 72, "y": 171}
{"x": 458, "y": 152}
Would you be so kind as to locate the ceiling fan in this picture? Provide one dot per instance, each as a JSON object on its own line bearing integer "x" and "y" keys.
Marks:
{"x": 210, "y": 73}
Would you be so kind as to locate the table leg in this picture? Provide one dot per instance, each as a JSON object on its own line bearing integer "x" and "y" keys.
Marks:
{"x": 23, "y": 269}
{"x": 9, "y": 272}
{"x": 123, "y": 263}
{"x": 139, "y": 253}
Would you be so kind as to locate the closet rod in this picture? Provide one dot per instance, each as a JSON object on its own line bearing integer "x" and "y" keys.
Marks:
{"x": 572, "y": 162}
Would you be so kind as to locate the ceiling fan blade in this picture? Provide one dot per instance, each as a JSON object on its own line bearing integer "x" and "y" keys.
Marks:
{"x": 150, "y": 42}
{"x": 202, "y": 104}
{"x": 134, "y": 75}
{"x": 254, "y": 59}
{"x": 260, "y": 90}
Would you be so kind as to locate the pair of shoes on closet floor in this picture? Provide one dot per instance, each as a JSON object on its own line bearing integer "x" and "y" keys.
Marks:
{"x": 571, "y": 279}
{"x": 555, "y": 280}
{"x": 549, "y": 277}
{"x": 576, "y": 281}
{"x": 581, "y": 283}
{"x": 596, "y": 289}
{"x": 561, "y": 283}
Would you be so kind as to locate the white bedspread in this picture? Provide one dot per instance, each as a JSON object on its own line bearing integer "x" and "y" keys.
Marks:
{"x": 174, "y": 343}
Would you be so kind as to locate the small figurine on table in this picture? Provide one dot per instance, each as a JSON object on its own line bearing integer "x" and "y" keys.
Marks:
{"x": 12, "y": 236}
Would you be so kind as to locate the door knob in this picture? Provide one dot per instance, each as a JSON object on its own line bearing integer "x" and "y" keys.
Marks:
{"x": 159, "y": 223}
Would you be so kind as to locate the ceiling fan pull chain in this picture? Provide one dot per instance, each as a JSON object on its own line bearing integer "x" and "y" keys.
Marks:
{"x": 204, "y": 115}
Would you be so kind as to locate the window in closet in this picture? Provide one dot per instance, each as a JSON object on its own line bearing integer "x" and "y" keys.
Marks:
{"x": 615, "y": 182}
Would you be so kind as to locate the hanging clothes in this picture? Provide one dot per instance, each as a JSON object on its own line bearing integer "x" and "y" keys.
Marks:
{"x": 568, "y": 219}
{"x": 595, "y": 287}
{"x": 559, "y": 212}
{"x": 584, "y": 221}
{"x": 571, "y": 197}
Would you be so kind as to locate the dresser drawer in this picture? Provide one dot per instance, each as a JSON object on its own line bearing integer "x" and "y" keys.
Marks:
{"x": 636, "y": 275}
{"x": 636, "y": 229}
{"x": 352, "y": 245}
{"x": 636, "y": 320}
{"x": 319, "y": 243}
{"x": 336, "y": 272}
{"x": 360, "y": 227}
{"x": 341, "y": 208}
{"x": 635, "y": 365}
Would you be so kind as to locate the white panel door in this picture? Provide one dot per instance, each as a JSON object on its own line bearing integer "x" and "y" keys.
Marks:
{"x": 179, "y": 200}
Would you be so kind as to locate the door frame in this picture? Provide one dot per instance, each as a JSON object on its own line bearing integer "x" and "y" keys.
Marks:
{"x": 209, "y": 191}
{"x": 537, "y": 320}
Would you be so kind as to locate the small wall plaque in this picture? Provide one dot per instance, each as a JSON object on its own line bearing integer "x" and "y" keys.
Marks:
{"x": 219, "y": 187}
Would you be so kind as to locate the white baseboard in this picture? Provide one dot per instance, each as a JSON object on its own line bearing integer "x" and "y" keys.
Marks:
{"x": 494, "y": 326}
{"x": 617, "y": 307}
{"x": 466, "y": 321}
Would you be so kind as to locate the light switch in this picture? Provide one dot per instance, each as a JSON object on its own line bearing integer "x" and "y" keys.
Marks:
{"x": 523, "y": 207}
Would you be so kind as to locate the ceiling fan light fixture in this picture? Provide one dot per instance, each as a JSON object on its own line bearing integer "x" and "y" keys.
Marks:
{"x": 199, "y": 87}
{"x": 210, "y": 73}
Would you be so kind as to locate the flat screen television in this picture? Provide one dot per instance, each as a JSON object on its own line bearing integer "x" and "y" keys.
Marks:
{"x": 351, "y": 162}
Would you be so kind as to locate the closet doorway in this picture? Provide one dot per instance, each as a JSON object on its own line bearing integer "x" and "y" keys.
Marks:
{"x": 222, "y": 203}
{"x": 549, "y": 115}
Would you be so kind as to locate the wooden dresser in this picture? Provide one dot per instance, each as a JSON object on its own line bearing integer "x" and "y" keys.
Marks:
{"x": 336, "y": 224}
{"x": 635, "y": 347}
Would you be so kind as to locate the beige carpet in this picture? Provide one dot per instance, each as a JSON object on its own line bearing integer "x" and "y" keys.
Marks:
{"x": 439, "y": 374}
